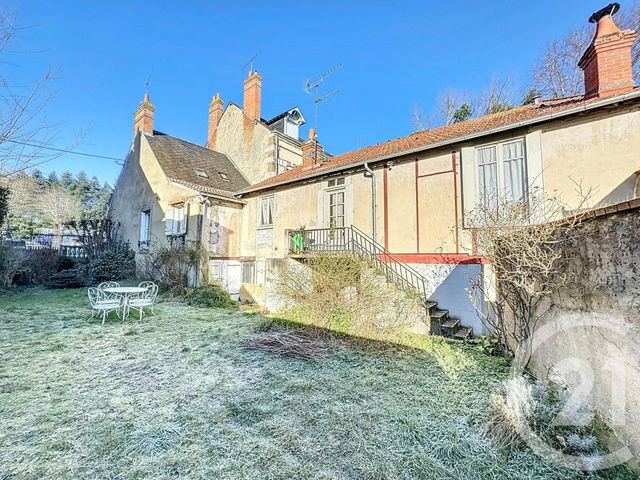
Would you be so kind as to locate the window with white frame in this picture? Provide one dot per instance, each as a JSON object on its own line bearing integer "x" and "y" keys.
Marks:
{"x": 266, "y": 213}
{"x": 176, "y": 220}
{"x": 502, "y": 173}
{"x": 248, "y": 272}
{"x": 336, "y": 208}
{"x": 145, "y": 229}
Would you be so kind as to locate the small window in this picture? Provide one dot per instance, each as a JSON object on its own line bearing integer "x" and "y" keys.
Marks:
{"x": 176, "y": 220}
{"x": 335, "y": 182}
{"x": 265, "y": 215}
{"x": 248, "y": 272}
{"x": 145, "y": 229}
{"x": 224, "y": 176}
{"x": 216, "y": 270}
{"x": 201, "y": 173}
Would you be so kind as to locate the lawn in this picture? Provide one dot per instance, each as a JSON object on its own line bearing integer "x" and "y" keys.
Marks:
{"x": 178, "y": 396}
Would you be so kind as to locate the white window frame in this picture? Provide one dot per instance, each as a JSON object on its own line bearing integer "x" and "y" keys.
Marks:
{"x": 500, "y": 164}
{"x": 266, "y": 205}
{"x": 248, "y": 265}
{"x": 337, "y": 206}
{"x": 145, "y": 228}
{"x": 176, "y": 220}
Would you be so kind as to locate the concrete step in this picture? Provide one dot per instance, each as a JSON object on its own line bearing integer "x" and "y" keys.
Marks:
{"x": 463, "y": 333}
{"x": 429, "y": 305}
{"x": 439, "y": 315}
{"x": 449, "y": 326}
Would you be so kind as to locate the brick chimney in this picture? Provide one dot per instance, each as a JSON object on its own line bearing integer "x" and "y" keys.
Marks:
{"x": 312, "y": 150}
{"x": 143, "y": 116}
{"x": 252, "y": 94}
{"x": 607, "y": 61}
{"x": 216, "y": 107}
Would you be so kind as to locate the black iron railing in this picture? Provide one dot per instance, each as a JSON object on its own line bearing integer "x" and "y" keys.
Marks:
{"x": 353, "y": 240}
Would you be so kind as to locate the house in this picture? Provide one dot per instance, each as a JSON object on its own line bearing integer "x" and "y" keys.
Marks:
{"x": 412, "y": 196}
{"x": 174, "y": 192}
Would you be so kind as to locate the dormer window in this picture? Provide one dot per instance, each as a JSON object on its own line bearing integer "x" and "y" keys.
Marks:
{"x": 224, "y": 176}
{"x": 201, "y": 173}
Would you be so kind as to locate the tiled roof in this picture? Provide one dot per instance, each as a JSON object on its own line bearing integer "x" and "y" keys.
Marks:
{"x": 179, "y": 160}
{"x": 448, "y": 134}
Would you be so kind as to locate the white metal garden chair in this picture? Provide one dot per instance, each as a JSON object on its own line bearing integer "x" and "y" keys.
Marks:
{"x": 113, "y": 296}
{"x": 101, "y": 303}
{"x": 144, "y": 300}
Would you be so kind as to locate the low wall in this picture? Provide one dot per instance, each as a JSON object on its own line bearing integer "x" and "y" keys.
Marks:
{"x": 590, "y": 338}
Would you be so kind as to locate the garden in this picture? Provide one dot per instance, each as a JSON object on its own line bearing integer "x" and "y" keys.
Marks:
{"x": 183, "y": 394}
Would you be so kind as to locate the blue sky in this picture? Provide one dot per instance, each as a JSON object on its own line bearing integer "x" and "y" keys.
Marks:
{"x": 394, "y": 55}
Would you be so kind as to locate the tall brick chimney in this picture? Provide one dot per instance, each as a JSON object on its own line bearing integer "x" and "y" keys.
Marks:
{"x": 607, "y": 61}
{"x": 216, "y": 107}
{"x": 312, "y": 151}
{"x": 252, "y": 94}
{"x": 143, "y": 116}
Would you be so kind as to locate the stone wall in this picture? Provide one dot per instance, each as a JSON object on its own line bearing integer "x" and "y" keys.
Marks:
{"x": 590, "y": 338}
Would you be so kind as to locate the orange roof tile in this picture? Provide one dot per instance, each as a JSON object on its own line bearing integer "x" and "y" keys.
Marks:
{"x": 448, "y": 134}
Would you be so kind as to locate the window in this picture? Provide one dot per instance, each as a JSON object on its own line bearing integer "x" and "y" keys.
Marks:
{"x": 336, "y": 209}
{"x": 502, "y": 174}
{"x": 266, "y": 212}
{"x": 176, "y": 221}
{"x": 145, "y": 228}
{"x": 216, "y": 270}
{"x": 334, "y": 182}
{"x": 248, "y": 272}
{"x": 224, "y": 176}
{"x": 488, "y": 176}
{"x": 201, "y": 173}
{"x": 515, "y": 185}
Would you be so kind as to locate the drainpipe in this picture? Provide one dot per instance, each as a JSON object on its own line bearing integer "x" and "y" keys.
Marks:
{"x": 369, "y": 173}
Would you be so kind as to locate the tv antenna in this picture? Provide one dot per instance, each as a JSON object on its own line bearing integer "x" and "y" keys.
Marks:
{"x": 146, "y": 83}
{"x": 249, "y": 63}
{"x": 312, "y": 87}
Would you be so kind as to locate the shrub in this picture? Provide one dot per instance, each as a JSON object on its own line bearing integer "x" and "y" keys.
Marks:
{"x": 209, "y": 296}
{"x": 12, "y": 263}
{"x": 343, "y": 293}
{"x": 116, "y": 262}
{"x": 171, "y": 267}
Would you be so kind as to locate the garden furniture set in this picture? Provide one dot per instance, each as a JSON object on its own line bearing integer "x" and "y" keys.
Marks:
{"x": 111, "y": 297}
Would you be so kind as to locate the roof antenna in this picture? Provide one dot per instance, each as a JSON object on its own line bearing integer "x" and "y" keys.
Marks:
{"x": 146, "y": 83}
{"x": 249, "y": 63}
{"x": 312, "y": 87}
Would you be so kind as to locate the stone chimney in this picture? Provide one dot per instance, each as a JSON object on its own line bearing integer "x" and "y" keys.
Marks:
{"x": 312, "y": 151}
{"x": 252, "y": 96}
{"x": 143, "y": 116}
{"x": 607, "y": 61}
{"x": 216, "y": 107}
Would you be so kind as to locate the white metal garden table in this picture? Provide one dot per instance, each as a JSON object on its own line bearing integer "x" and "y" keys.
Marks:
{"x": 126, "y": 293}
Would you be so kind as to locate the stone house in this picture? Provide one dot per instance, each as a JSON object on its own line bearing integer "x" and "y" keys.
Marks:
{"x": 412, "y": 196}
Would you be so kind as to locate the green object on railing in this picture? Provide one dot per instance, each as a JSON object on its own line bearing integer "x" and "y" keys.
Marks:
{"x": 298, "y": 241}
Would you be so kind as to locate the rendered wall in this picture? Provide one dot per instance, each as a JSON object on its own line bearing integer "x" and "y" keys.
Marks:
{"x": 593, "y": 329}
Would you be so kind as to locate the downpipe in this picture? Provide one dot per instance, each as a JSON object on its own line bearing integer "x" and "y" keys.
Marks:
{"x": 369, "y": 173}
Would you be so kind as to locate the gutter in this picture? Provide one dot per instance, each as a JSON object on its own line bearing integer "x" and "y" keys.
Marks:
{"x": 512, "y": 126}
{"x": 370, "y": 173}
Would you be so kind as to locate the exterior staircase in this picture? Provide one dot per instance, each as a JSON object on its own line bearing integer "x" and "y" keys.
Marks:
{"x": 351, "y": 239}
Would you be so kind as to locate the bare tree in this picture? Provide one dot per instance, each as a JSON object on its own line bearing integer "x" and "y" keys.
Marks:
{"x": 24, "y": 131}
{"x": 498, "y": 96}
{"x": 556, "y": 73}
{"x": 60, "y": 208}
{"x": 523, "y": 245}
{"x": 420, "y": 120}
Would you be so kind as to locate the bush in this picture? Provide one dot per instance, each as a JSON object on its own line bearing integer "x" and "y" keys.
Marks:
{"x": 72, "y": 278}
{"x": 116, "y": 262}
{"x": 170, "y": 267}
{"x": 12, "y": 263}
{"x": 209, "y": 296}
